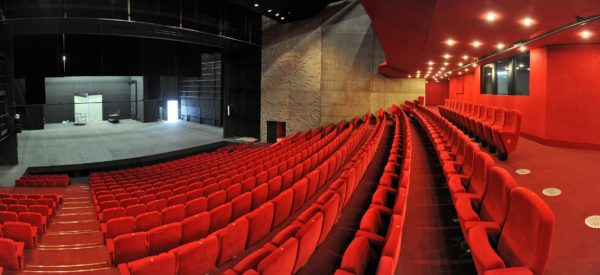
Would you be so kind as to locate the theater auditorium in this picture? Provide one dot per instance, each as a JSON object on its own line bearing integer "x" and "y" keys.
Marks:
{"x": 351, "y": 137}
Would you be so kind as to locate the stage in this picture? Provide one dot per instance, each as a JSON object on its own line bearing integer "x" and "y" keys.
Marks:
{"x": 65, "y": 144}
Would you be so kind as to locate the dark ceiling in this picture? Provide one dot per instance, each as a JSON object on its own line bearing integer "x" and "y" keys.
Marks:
{"x": 285, "y": 11}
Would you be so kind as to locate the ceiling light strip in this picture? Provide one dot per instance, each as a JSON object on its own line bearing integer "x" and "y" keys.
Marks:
{"x": 527, "y": 42}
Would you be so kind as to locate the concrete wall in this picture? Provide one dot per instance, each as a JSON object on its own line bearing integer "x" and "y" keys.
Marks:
{"x": 324, "y": 69}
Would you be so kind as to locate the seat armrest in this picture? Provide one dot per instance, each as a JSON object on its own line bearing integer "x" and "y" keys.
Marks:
{"x": 123, "y": 270}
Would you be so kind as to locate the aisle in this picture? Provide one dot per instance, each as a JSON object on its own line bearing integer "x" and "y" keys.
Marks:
{"x": 431, "y": 242}
{"x": 73, "y": 243}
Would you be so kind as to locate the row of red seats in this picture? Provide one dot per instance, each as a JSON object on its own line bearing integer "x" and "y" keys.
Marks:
{"x": 497, "y": 127}
{"x": 239, "y": 174}
{"x": 494, "y": 213}
{"x": 407, "y": 106}
{"x": 234, "y": 238}
{"x": 56, "y": 198}
{"x": 207, "y": 167}
{"x": 53, "y": 180}
{"x": 377, "y": 242}
{"x": 215, "y": 197}
{"x": 21, "y": 232}
{"x": 290, "y": 249}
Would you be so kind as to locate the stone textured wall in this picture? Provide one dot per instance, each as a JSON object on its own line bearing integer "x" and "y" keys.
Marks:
{"x": 324, "y": 69}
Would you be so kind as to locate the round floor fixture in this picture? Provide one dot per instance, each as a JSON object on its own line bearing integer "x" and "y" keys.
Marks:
{"x": 593, "y": 221}
{"x": 551, "y": 192}
{"x": 523, "y": 171}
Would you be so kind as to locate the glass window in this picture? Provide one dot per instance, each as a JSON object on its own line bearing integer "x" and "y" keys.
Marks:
{"x": 521, "y": 75}
{"x": 506, "y": 77}
{"x": 488, "y": 79}
{"x": 502, "y": 70}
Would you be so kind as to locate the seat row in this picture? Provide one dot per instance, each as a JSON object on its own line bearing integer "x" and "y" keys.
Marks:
{"x": 290, "y": 249}
{"x": 495, "y": 214}
{"x": 269, "y": 168}
{"x": 52, "y": 180}
{"x": 375, "y": 248}
{"x": 497, "y": 127}
{"x": 216, "y": 198}
{"x": 233, "y": 238}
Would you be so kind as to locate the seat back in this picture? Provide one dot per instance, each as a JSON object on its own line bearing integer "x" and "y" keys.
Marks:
{"x": 512, "y": 121}
{"x": 470, "y": 151}
{"x": 130, "y": 247}
{"x": 35, "y": 219}
{"x": 164, "y": 238}
{"x": 135, "y": 210}
{"x": 499, "y": 117}
{"x": 147, "y": 221}
{"x": 527, "y": 234}
{"x": 112, "y": 213}
{"x": 198, "y": 257}
{"x": 479, "y": 179}
{"x": 9, "y": 257}
{"x": 491, "y": 115}
{"x": 120, "y": 226}
{"x": 8, "y": 216}
{"x": 496, "y": 200}
{"x": 17, "y": 208}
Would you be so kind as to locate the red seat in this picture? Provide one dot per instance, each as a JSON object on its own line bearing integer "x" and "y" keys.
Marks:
{"x": 281, "y": 260}
{"x": 195, "y": 227}
{"x": 8, "y": 216}
{"x": 135, "y": 210}
{"x": 43, "y": 210}
{"x": 172, "y": 214}
{"x": 164, "y": 264}
{"x": 248, "y": 184}
{"x": 497, "y": 122}
{"x": 164, "y": 238}
{"x": 198, "y": 257}
{"x": 260, "y": 194}
{"x": 196, "y": 206}
{"x": 220, "y": 217}
{"x": 147, "y": 198}
{"x": 241, "y": 205}
{"x": 262, "y": 177}
{"x": 21, "y": 232}
{"x": 330, "y": 209}
{"x": 3, "y": 207}
{"x": 283, "y": 207}
{"x": 476, "y": 186}
{"x": 112, "y": 213}
{"x": 274, "y": 187}
{"x": 128, "y": 201}
{"x": 259, "y": 223}
{"x": 232, "y": 240}
{"x": 17, "y": 208}
{"x": 164, "y": 194}
{"x": 147, "y": 221}
{"x": 11, "y": 254}
{"x": 494, "y": 207}
{"x": 523, "y": 244}
{"x": 308, "y": 237}
{"x": 156, "y": 205}
{"x": 35, "y": 219}
{"x": 287, "y": 179}
{"x": 118, "y": 226}
{"x": 10, "y": 201}
{"x": 505, "y": 138}
{"x": 27, "y": 202}
{"x": 217, "y": 198}
{"x": 234, "y": 191}
{"x": 356, "y": 256}
{"x": 101, "y": 206}
{"x": 300, "y": 189}
{"x": 313, "y": 183}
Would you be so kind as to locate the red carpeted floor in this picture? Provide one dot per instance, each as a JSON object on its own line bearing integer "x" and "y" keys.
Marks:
{"x": 73, "y": 242}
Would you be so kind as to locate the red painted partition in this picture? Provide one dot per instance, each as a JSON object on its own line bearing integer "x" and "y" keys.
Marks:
{"x": 563, "y": 106}
{"x": 436, "y": 92}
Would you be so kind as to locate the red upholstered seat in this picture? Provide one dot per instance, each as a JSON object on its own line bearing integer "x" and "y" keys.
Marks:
{"x": 112, "y": 213}
{"x": 524, "y": 242}
{"x": 233, "y": 191}
{"x": 232, "y": 240}
{"x": 198, "y": 257}
{"x": 147, "y": 221}
{"x": 308, "y": 237}
{"x": 356, "y": 257}
{"x": 259, "y": 223}
{"x": 43, "y": 210}
{"x": 11, "y": 254}
{"x": 195, "y": 227}
{"x": 35, "y": 219}
{"x": 283, "y": 207}
{"x": 216, "y": 199}
{"x": 128, "y": 202}
{"x": 157, "y": 205}
{"x": 196, "y": 206}
{"x": 17, "y": 208}
{"x": 220, "y": 216}
{"x": 300, "y": 189}
{"x": 164, "y": 264}
{"x": 21, "y": 232}
{"x": 135, "y": 210}
{"x": 281, "y": 260}
{"x": 498, "y": 122}
{"x": 475, "y": 188}
{"x": 118, "y": 226}
{"x": 8, "y": 216}
{"x": 260, "y": 194}
{"x": 172, "y": 214}
{"x": 164, "y": 238}
{"x": 505, "y": 138}
{"x": 274, "y": 187}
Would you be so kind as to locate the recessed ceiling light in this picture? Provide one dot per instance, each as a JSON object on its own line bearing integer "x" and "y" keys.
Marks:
{"x": 476, "y": 44}
{"x": 585, "y": 34}
{"x": 450, "y": 42}
{"x": 409, "y": 76}
{"x": 446, "y": 63}
{"x": 467, "y": 69}
{"x": 474, "y": 65}
{"x": 277, "y": 14}
{"x": 465, "y": 57}
{"x": 256, "y": 5}
{"x": 430, "y": 63}
{"x": 459, "y": 73}
{"x": 522, "y": 48}
{"x": 500, "y": 46}
{"x": 491, "y": 16}
{"x": 527, "y": 21}
{"x": 269, "y": 10}
{"x": 447, "y": 56}
{"x": 418, "y": 72}
{"x": 460, "y": 63}
{"x": 282, "y": 18}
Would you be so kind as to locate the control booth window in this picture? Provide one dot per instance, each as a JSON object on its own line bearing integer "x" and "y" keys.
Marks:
{"x": 506, "y": 77}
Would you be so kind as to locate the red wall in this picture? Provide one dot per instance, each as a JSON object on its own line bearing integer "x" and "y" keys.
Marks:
{"x": 563, "y": 106}
{"x": 436, "y": 92}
